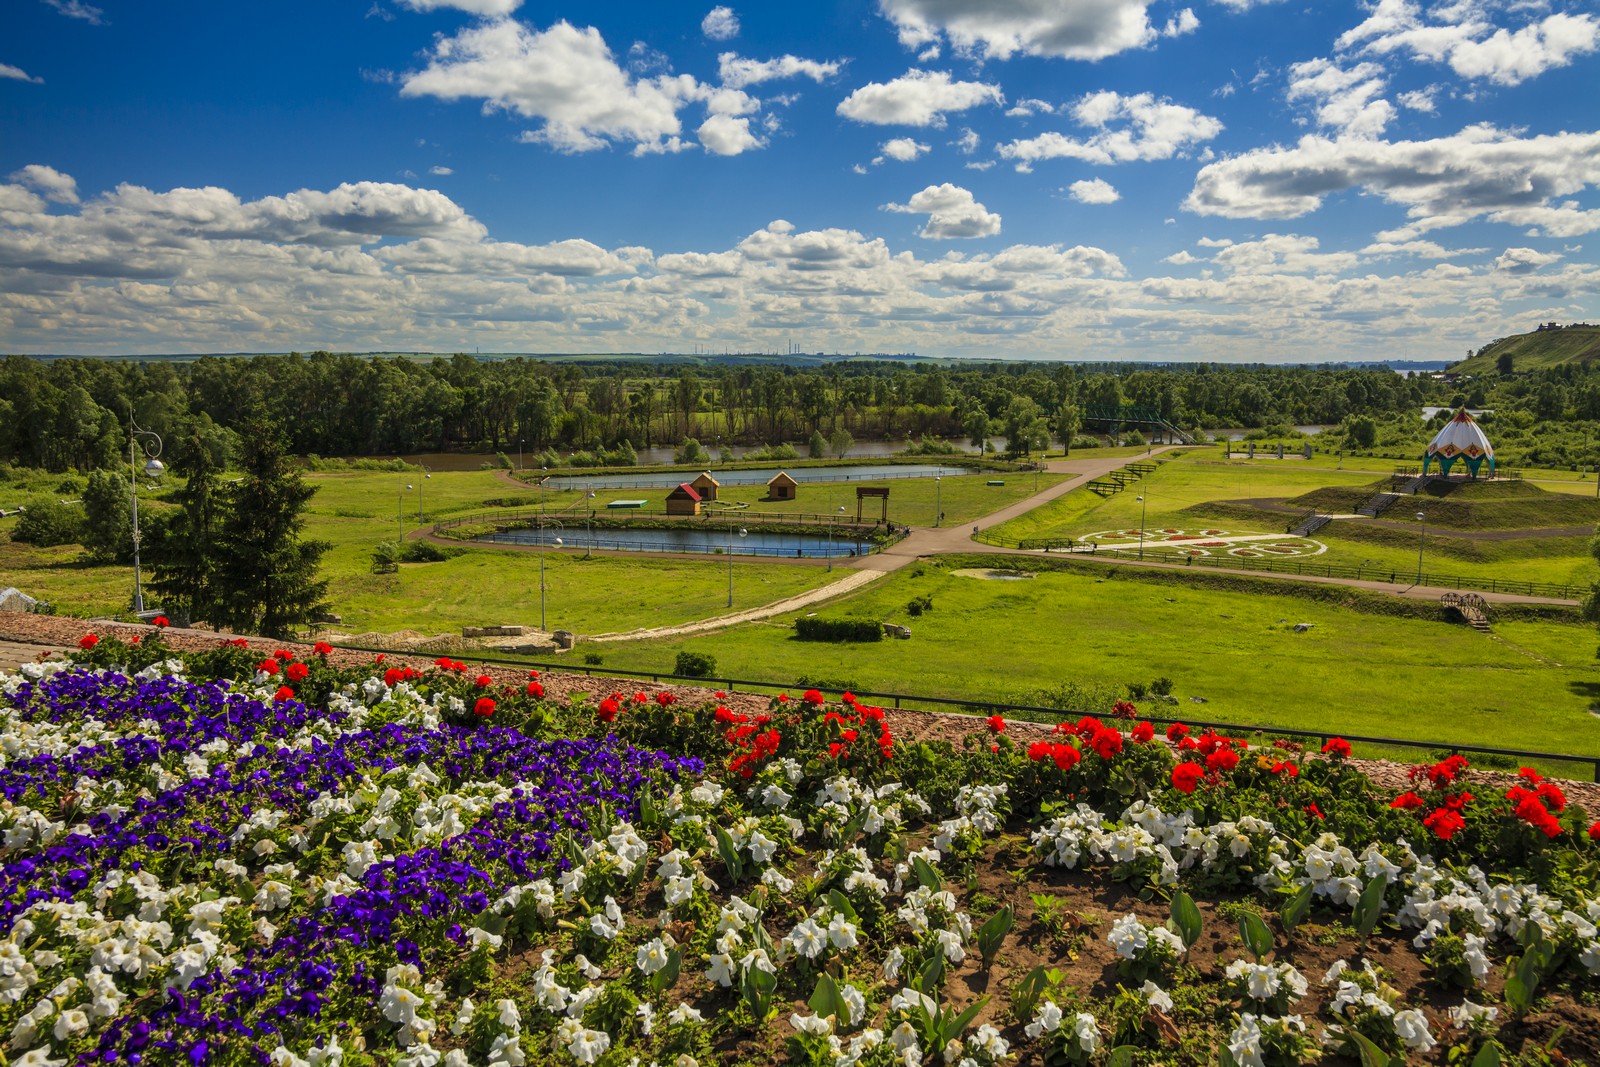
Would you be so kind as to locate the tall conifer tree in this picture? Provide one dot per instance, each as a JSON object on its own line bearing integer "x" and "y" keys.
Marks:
{"x": 182, "y": 540}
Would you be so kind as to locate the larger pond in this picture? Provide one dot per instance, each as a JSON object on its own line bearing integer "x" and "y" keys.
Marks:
{"x": 710, "y": 541}
{"x": 760, "y": 476}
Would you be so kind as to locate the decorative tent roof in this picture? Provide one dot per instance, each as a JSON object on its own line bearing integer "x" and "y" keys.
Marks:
{"x": 1461, "y": 439}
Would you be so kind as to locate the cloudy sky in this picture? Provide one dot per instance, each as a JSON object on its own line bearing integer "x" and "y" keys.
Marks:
{"x": 1078, "y": 179}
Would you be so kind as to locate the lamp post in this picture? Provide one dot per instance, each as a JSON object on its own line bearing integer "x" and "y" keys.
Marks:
{"x": 557, "y": 542}
{"x": 589, "y": 542}
{"x": 1422, "y": 538}
{"x": 1144, "y": 507}
{"x": 427, "y": 473}
{"x": 519, "y": 453}
{"x": 830, "y": 534}
{"x": 938, "y": 500}
{"x": 742, "y": 532}
{"x": 153, "y": 467}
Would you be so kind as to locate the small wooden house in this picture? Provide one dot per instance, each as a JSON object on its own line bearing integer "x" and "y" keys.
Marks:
{"x": 706, "y": 486}
{"x": 781, "y": 487}
{"x": 683, "y": 501}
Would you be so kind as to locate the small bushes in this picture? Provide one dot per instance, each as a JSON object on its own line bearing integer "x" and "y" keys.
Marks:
{"x": 838, "y": 630}
{"x": 49, "y": 522}
{"x": 695, "y": 665}
{"x": 917, "y": 605}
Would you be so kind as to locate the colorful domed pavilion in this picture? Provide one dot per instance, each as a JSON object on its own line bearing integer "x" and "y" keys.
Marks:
{"x": 1461, "y": 439}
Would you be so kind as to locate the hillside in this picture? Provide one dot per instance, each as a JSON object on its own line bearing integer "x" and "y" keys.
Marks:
{"x": 1537, "y": 350}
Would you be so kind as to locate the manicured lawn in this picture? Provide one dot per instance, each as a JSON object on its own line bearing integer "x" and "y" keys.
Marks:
{"x": 1356, "y": 673}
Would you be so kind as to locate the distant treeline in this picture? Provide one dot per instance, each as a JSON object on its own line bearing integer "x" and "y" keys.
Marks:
{"x": 73, "y": 413}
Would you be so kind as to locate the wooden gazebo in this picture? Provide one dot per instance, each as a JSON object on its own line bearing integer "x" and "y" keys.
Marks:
{"x": 781, "y": 487}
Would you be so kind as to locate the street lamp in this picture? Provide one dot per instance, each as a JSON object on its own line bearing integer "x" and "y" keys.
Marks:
{"x": 742, "y": 533}
{"x": 557, "y": 542}
{"x": 1144, "y": 506}
{"x": 938, "y": 500}
{"x": 1422, "y": 517}
{"x": 588, "y": 544}
{"x": 154, "y": 468}
{"x": 428, "y": 474}
{"x": 830, "y": 535}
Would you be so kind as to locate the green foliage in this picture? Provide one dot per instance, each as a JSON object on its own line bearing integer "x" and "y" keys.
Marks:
{"x": 108, "y": 518}
{"x": 819, "y": 445}
{"x": 49, "y": 522}
{"x": 918, "y": 604}
{"x": 992, "y": 934}
{"x": 1186, "y": 921}
{"x": 695, "y": 665}
{"x": 1255, "y": 934}
{"x": 838, "y": 630}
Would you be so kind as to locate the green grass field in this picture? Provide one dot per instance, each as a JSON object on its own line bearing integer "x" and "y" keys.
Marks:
{"x": 1529, "y": 686}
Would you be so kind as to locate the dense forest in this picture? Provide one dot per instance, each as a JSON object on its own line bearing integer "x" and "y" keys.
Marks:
{"x": 73, "y": 413}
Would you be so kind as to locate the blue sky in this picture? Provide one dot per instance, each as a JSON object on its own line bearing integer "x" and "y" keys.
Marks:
{"x": 1078, "y": 179}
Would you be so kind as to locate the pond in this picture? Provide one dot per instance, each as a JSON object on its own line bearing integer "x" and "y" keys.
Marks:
{"x": 663, "y": 479}
{"x": 712, "y": 540}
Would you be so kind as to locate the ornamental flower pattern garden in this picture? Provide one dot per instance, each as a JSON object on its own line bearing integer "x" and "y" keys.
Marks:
{"x": 220, "y": 859}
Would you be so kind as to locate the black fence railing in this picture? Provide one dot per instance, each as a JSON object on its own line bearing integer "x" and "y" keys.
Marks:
{"x": 1311, "y": 569}
{"x": 984, "y": 708}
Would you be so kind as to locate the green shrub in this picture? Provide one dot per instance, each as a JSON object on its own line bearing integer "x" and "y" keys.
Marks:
{"x": 428, "y": 552}
{"x": 49, "y": 522}
{"x": 917, "y": 605}
{"x": 593, "y": 659}
{"x": 695, "y": 665}
{"x": 838, "y": 630}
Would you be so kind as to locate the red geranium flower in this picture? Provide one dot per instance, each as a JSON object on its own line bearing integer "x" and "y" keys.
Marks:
{"x": 847, "y": 697}
{"x": 392, "y": 676}
{"x": 283, "y": 693}
{"x": 608, "y": 709}
{"x": 1143, "y": 732}
{"x": 666, "y": 699}
{"x": 284, "y": 654}
{"x": 1444, "y": 823}
{"x": 1106, "y": 742}
{"x": 322, "y": 648}
{"x": 1177, "y": 732}
{"x": 134, "y": 640}
{"x": 1552, "y": 795}
{"x": 268, "y": 666}
{"x": 88, "y": 641}
{"x": 1286, "y": 769}
{"x": 483, "y": 681}
{"x": 1223, "y": 759}
{"x": 238, "y": 642}
{"x": 160, "y": 622}
{"x": 1123, "y": 709}
{"x": 484, "y": 707}
{"x": 1406, "y": 801}
{"x": 811, "y": 696}
{"x": 535, "y": 689}
{"x": 296, "y": 672}
{"x": 1312, "y": 809}
{"x": 1186, "y": 775}
{"x": 997, "y": 724}
{"x": 1594, "y": 832}
{"x": 1337, "y": 747}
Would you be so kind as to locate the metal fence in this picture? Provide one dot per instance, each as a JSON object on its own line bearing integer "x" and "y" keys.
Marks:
{"x": 984, "y": 708}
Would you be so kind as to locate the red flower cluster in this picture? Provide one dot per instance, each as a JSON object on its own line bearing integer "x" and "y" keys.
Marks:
{"x": 395, "y": 675}
{"x": 268, "y": 666}
{"x": 1444, "y": 823}
{"x": 1444, "y": 773}
{"x": 535, "y": 690}
{"x": 997, "y": 724}
{"x": 88, "y": 641}
{"x": 322, "y": 648}
{"x": 484, "y": 707}
{"x": 1142, "y": 732}
{"x": 1539, "y": 806}
{"x": 160, "y": 622}
{"x": 607, "y": 711}
{"x": 1336, "y": 747}
{"x": 296, "y": 672}
{"x": 1407, "y": 801}
{"x": 283, "y": 654}
{"x": 445, "y": 663}
{"x": 1065, "y": 757}
{"x": 1285, "y": 769}
{"x": 1445, "y": 819}
{"x": 812, "y": 696}
{"x": 754, "y": 742}
{"x": 1123, "y": 709}
{"x": 666, "y": 699}
{"x": 1185, "y": 776}
{"x": 1177, "y": 732}
{"x": 283, "y": 693}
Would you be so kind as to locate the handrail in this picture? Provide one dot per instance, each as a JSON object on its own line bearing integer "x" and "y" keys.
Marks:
{"x": 984, "y": 708}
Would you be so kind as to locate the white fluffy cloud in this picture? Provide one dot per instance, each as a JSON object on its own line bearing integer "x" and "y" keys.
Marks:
{"x": 48, "y": 182}
{"x": 1461, "y": 35}
{"x": 916, "y": 98}
{"x": 1347, "y": 99}
{"x": 1131, "y": 128}
{"x": 737, "y": 72}
{"x": 952, "y": 212}
{"x": 901, "y": 149}
{"x": 10, "y": 73}
{"x": 1480, "y": 172}
{"x": 77, "y": 9}
{"x": 565, "y": 76}
{"x": 1094, "y": 191}
{"x": 720, "y": 24}
{"x": 1524, "y": 260}
{"x": 486, "y": 8}
{"x": 998, "y": 29}
{"x": 1282, "y": 254}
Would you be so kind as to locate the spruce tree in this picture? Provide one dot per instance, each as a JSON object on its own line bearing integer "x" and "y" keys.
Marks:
{"x": 266, "y": 576}
{"x": 182, "y": 540}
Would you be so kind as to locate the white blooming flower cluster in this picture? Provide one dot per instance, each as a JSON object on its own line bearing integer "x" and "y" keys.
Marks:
{"x": 980, "y": 810}
{"x": 1246, "y": 1042}
{"x": 1267, "y": 983}
{"x": 825, "y": 930}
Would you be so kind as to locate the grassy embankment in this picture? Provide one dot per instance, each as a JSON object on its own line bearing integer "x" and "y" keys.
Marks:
{"x": 1528, "y": 686}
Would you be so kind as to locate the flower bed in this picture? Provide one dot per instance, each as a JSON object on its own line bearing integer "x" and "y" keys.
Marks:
{"x": 235, "y": 860}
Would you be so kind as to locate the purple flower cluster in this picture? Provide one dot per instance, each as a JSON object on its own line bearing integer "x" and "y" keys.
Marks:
{"x": 408, "y": 908}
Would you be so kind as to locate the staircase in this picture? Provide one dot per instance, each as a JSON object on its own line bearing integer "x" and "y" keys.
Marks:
{"x": 1411, "y": 487}
{"x": 1377, "y": 504}
{"x": 1311, "y": 524}
{"x": 1471, "y": 607}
